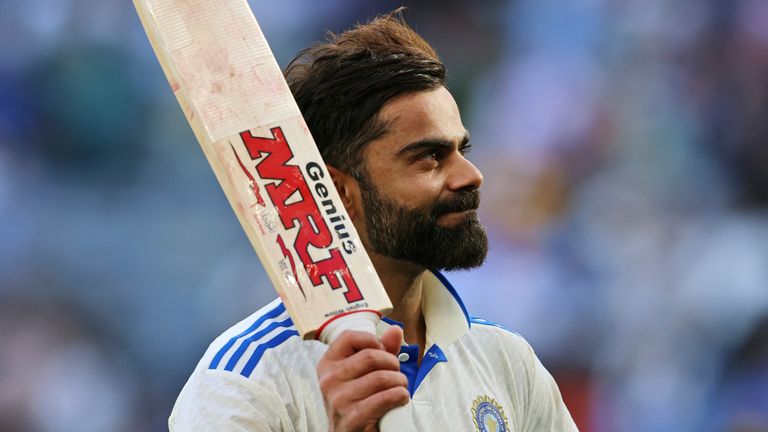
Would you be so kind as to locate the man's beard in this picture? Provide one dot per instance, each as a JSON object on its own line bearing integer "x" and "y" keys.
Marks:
{"x": 410, "y": 235}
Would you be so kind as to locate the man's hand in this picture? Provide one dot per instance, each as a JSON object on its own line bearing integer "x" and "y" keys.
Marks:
{"x": 360, "y": 379}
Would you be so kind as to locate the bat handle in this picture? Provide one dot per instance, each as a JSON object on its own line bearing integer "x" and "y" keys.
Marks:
{"x": 364, "y": 321}
{"x": 397, "y": 420}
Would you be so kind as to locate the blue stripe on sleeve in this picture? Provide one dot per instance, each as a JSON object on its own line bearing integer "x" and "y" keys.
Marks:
{"x": 254, "y": 360}
{"x": 280, "y": 308}
{"x": 254, "y": 338}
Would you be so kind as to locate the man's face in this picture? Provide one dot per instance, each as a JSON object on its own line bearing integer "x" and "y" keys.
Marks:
{"x": 418, "y": 191}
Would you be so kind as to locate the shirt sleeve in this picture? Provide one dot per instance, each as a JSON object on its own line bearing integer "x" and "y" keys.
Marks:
{"x": 227, "y": 402}
{"x": 546, "y": 411}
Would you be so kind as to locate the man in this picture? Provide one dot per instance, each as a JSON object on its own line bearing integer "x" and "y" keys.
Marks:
{"x": 390, "y": 132}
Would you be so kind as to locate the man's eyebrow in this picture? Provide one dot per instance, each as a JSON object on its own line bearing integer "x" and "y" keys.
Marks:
{"x": 430, "y": 143}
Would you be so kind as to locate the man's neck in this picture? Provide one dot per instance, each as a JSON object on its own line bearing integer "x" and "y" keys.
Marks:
{"x": 404, "y": 284}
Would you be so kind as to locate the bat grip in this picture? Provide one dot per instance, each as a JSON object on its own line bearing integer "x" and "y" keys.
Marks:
{"x": 399, "y": 419}
{"x": 364, "y": 321}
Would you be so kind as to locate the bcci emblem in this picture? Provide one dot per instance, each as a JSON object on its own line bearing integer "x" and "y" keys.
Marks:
{"x": 488, "y": 415}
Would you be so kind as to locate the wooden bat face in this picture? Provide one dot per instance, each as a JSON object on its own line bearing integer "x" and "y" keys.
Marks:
{"x": 243, "y": 114}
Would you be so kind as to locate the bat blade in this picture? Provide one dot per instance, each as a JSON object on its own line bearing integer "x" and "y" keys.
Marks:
{"x": 243, "y": 114}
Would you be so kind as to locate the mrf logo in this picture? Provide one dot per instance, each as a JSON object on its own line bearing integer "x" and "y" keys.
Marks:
{"x": 298, "y": 211}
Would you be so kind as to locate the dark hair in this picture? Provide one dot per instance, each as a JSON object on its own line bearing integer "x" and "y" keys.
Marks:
{"x": 341, "y": 85}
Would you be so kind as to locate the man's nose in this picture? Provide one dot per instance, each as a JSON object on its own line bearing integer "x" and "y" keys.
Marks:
{"x": 464, "y": 175}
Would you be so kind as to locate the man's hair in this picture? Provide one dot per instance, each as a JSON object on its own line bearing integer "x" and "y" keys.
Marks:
{"x": 341, "y": 85}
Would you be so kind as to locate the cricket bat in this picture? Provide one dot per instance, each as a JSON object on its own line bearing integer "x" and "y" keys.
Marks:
{"x": 242, "y": 112}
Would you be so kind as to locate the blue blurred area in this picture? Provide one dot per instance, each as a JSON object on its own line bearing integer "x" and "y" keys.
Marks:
{"x": 625, "y": 150}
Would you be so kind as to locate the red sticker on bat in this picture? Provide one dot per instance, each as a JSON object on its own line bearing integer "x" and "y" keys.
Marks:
{"x": 297, "y": 208}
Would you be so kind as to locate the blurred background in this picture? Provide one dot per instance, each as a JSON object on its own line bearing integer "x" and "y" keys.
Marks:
{"x": 625, "y": 149}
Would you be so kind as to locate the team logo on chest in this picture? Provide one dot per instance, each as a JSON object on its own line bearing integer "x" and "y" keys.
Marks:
{"x": 488, "y": 415}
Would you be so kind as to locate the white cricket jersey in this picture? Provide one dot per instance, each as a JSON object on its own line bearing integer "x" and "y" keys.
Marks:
{"x": 475, "y": 376}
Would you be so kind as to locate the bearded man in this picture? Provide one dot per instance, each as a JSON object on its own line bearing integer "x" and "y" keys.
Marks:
{"x": 390, "y": 132}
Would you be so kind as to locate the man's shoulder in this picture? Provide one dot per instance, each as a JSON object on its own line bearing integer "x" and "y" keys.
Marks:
{"x": 248, "y": 372}
{"x": 488, "y": 327}
{"x": 488, "y": 333}
{"x": 244, "y": 346}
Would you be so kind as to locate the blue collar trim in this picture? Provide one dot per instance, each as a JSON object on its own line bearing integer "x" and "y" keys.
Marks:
{"x": 455, "y": 294}
{"x": 390, "y": 321}
{"x": 415, "y": 372}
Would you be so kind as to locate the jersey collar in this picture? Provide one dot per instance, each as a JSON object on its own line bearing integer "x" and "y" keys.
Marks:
{"x": 445, "y": 315}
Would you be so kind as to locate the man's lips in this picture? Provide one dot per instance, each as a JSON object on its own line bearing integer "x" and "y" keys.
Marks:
{"x": 454, "y": 218}
{"x": 457, "y": 209}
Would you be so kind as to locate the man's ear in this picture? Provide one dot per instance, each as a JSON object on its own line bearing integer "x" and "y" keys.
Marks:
{"x": 348, "y": 189}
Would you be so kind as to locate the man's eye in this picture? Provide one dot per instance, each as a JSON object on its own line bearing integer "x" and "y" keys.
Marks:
{"x": 465, "y": 149}
{"x": 431, "y": 155}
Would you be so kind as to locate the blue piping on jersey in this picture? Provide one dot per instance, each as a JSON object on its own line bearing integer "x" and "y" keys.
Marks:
{"x": 482, "y": 321}
{"x": 280, "y": 308}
